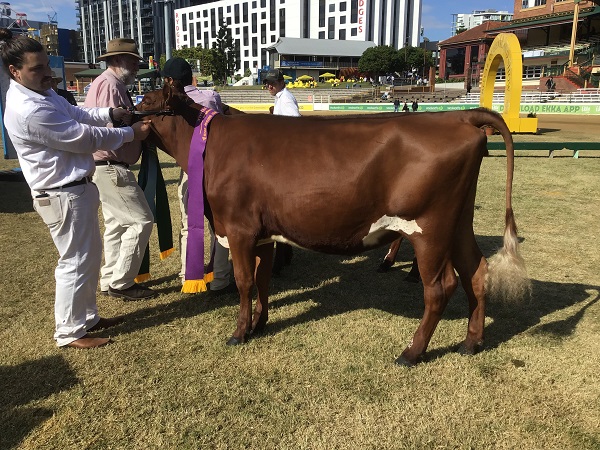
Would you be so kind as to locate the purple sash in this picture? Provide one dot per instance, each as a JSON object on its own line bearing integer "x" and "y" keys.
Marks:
{"x": 196, "y": 276}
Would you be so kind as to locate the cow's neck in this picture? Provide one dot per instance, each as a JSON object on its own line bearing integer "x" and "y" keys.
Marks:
{"x": 174, "y": 133}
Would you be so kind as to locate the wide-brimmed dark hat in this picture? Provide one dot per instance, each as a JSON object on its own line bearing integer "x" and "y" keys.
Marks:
{"x": 272, "y": 76}
{"x": 121, "y": 46}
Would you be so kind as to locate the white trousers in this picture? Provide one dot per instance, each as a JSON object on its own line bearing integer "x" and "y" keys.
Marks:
{"x": 222, "y": 265}
{"x": 71, "y": 215}
{"x": 128, "y": 224}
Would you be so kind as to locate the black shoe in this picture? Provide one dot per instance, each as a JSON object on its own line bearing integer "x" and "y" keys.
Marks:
{"x": 135, "y": 292}
{"x": 229, "y": 289}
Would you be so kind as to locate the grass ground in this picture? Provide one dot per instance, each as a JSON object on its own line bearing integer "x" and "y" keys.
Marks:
{"x": 323, "y": 376}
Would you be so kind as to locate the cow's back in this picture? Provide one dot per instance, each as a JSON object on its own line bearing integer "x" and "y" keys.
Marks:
{"x": 326, "y": 181}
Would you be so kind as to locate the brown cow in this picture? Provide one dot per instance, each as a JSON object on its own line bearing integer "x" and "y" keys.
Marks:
{"x": 345, "y": 185}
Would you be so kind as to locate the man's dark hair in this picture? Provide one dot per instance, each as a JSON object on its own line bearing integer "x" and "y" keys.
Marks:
{"x": 13, "y": 49}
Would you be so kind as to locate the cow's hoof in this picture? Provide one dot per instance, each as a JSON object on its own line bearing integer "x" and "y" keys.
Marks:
{"x": 402, "y": 361}
{"x": 463, "y": 349}
{"x": 385, "y": 266}
{"x": 235, "y": 341}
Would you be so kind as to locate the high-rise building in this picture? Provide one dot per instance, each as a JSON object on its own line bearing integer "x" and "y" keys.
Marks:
{"x": 258, "y": 24}
{"x": 142, "y": 20}
{"x": 476, "y": 18}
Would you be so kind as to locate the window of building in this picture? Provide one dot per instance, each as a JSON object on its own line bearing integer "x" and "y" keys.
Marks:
{"x": 332, "y": 7}
{"x": 281, "y": 23}
{"x": 263, "y": 15}
{"x": 273, "y": 15}
{"x": 321, "y": 13}
{"x": 254, "y": 47}
{"x": 246, "y": 53}
{"x": 197, "y": 14}
{"x": 342, "y": 6}
{"x": 205, "y": 13}
{"x": 353, "y": 11}
{"x": 253, "y": 5}
{"x": 245, "y": 13}
{"x": 354, "y": 32}
{"x": 342, "y": 35}
{"x": 539, "y": 2}
{"x": 198, "y": 33}
{"x": 236, "y": 13}
{"x": 263, "y": 3}
{"x": 246, "y": 36}
{"x": 190, "y": 16}
{"x": 331, "y": 28}
{"x": 321, "y": 35}
{"x": 273, "y": 38}
{"x": 229, "y": 10}
{"x": 342, "y": 19}
{"x": 183, "y": 22}
{"x": 254, "y": 22}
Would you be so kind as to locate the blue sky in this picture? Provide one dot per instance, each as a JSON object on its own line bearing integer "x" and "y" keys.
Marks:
{"x": 436, "y": 17}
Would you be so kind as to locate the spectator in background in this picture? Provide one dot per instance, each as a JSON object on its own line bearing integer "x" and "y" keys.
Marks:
{"x": 178, "y": 74}
{"x": 415, "y": 105}
{"x": 396, "y": 104}
{"x": 285, "y": 105}
{"x": 128, "y": 219}
{"x": 405, "y": 108}
{"x": 62, "y": 92}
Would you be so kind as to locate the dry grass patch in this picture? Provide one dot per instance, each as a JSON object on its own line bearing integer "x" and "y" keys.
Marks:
{"x": 322, "y": 376}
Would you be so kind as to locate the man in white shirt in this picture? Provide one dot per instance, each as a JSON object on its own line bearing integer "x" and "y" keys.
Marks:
{"x": 54, "y": 142}
{"x": 285, "y": 105}
{"x": 285, "y": 102}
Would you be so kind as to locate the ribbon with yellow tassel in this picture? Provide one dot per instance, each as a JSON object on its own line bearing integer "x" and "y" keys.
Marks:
{"x": 196, "y": 275}
{"x": 150, "y": 179}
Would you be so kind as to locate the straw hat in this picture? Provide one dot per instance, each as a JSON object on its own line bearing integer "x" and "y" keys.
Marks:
{"x": 56, "y": 78}
{"x": 121, "y": 46}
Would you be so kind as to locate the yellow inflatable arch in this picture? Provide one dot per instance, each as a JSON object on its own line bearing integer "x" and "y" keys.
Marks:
{"x": 506, "y": 48}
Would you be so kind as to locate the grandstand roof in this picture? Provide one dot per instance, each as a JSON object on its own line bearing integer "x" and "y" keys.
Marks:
{"x": 547, "y": 20}
{"x": 320, "y": 47}
{"x": 473, "y": 34}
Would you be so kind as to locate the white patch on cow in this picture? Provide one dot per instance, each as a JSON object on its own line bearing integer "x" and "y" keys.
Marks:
{"x": 396, "y": 224}
{"x": 277, "y": 238}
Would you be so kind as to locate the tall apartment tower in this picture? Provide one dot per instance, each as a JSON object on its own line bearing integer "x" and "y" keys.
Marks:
{"x": 258, "y": 24}
{"x": 142, "y": 20}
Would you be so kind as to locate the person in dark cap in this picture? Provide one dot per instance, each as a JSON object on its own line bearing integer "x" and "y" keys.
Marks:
{"x": 178, "y": 74}
{"x": 62, "y": 92}
{"x": 128, "y": 219}
{"x": 285, "y": 102}
{"x": 285, "y": 105}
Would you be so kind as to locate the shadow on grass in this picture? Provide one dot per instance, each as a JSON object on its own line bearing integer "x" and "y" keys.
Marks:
{"x": 24, "y": 383}
{"x": 335, "y": 285}
{"x": 15, "y": 197}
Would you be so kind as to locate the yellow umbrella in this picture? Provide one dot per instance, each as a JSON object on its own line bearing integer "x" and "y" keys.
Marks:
{"x": 287, "y": 77}
{"x": 327, "y": 75}
{"x": 304, "y": 78}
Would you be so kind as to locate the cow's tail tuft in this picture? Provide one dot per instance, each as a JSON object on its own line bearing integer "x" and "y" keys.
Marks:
{"x": 507, "y": 279}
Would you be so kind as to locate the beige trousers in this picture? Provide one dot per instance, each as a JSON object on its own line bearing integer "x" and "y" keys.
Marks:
{"x": 128, "y": 224}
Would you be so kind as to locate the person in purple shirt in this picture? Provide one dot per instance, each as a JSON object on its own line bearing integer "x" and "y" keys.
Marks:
{"x": 178, "y": 74}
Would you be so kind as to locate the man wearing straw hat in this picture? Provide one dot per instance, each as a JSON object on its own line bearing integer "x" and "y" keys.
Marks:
{"x": 62, "y": 92}
{"x": 128, "y": 218}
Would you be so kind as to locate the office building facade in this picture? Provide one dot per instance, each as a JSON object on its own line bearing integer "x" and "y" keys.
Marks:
{"x": 258, "y": 24}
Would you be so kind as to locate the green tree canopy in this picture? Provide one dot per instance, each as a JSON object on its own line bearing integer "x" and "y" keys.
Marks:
{"x": 380, "y": 60}
{"x": 225, "y": 55}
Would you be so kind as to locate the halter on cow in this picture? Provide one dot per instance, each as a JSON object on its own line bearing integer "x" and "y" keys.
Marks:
{"x": 345, "y": 185}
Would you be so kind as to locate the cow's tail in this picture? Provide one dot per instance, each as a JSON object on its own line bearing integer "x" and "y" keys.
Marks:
{"x": 507, "y": 278}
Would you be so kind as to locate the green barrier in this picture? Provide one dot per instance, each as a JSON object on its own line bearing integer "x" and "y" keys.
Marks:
{"x": 526, "y": 108}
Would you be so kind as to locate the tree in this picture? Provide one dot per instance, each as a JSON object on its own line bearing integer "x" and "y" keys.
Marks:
{"x": 380, "y": 60}
{"x": 225, "y": 55}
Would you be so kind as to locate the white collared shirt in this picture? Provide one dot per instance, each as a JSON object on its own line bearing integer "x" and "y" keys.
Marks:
{"x": 54, "y": 140}
{"x": 286, "y": 104}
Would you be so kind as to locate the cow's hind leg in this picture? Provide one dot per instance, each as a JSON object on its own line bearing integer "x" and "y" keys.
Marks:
{"x": 471, "y": 266}
{"x": 439, "y": 283}
{"x": 262, "y": 276}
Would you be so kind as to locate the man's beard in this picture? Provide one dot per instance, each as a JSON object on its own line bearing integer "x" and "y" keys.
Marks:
{"x": 126, "y": 75}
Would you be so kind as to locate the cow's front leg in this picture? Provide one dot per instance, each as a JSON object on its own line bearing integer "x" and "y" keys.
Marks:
{"x": 242, "y": 255}
{"x": 262, "y": 277}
